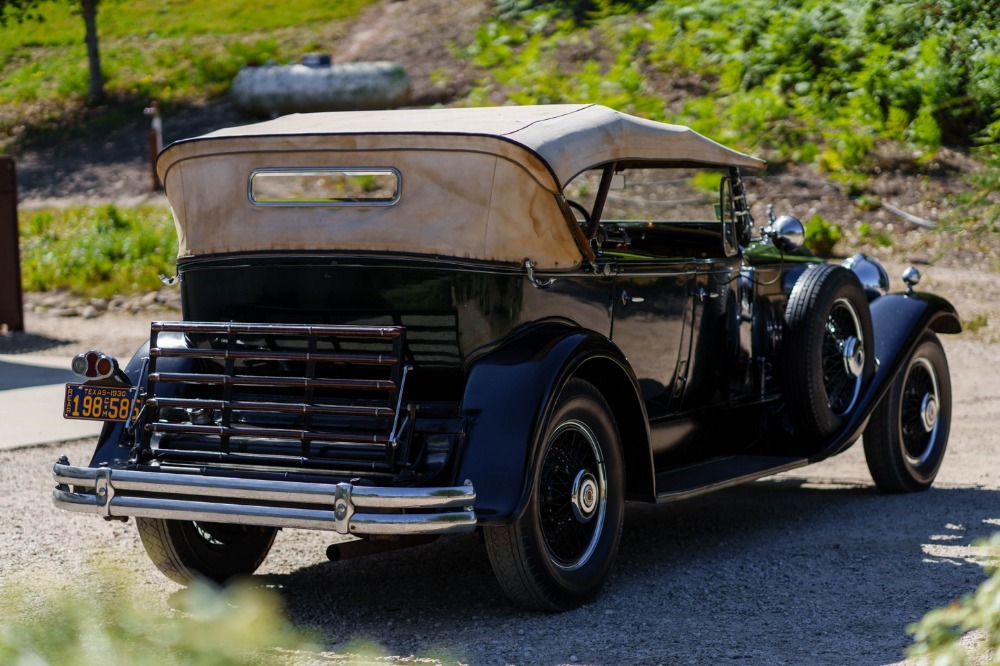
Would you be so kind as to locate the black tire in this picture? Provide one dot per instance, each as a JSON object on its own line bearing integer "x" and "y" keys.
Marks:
{"x": 185, "y": 551}
{"x": 829, "y": 349}
{"x": 556, "y": 555}
{"x": 908, "y": 432}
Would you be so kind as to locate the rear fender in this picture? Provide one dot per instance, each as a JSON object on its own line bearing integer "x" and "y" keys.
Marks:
{"x": 114, "y": 443}
{"x": 898, "y": 322}
{"x": 509, "y": 396}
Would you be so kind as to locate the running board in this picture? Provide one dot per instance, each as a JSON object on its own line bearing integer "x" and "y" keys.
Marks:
{"x": 717, "y": 473}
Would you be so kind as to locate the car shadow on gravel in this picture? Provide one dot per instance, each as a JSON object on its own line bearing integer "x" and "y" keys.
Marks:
{"x": 780, "y": 571}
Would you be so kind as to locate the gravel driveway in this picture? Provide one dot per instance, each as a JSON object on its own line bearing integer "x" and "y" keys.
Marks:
{"x": 810, "y": 567}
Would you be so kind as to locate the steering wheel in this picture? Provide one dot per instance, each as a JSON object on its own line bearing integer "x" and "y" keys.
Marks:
{"x": 582, "y": 211}
{"x": 596, "y": 236}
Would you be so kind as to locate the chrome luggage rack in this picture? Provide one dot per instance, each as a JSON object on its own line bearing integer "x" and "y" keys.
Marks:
{"x": 323, "y": 398}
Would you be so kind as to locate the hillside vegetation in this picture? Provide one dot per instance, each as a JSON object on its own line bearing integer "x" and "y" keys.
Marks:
{"x": 853, "y": 88}
{"x": 798, "y": 79}
{"x": 841, "y": 90}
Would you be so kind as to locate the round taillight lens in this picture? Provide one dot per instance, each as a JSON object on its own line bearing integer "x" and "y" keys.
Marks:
{"x": 94, "y": 365}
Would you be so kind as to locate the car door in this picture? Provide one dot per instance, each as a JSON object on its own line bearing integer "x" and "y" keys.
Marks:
{"x": 651, "y": 324}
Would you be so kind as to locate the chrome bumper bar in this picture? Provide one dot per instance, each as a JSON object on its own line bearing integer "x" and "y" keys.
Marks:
{"x": 340, "y": 507}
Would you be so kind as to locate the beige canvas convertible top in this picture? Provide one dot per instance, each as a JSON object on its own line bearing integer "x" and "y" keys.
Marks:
{"x": 477, "y": 183}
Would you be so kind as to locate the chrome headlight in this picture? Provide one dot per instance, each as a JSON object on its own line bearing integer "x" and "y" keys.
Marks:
{"x": 873, "y": 277}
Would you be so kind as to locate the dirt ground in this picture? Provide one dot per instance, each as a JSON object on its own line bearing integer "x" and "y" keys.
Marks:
{"x": 809, "y": 567}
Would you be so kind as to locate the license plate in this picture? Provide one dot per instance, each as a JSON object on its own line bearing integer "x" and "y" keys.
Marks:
{"x": 99, "y": 403}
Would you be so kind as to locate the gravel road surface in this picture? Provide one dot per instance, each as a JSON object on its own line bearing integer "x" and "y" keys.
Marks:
{"x": 810, "y": 567}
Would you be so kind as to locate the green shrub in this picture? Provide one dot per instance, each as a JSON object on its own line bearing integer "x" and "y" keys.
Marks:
{"x": 821, "y": 236}
{"x": 981, "y": 201}
{"x": 795, "y": 79}
{"x": 97, "y": 250}
{"x": 938, "y": 635}
{"x": 977, "y": 322}
{"x": 104, "y": 622}
{"x": 867, "y": 234}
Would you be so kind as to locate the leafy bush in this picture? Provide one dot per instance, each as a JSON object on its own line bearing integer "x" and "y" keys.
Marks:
{"x": 795, "y": 79}
{"x": 867, "y": 234}
{"x": 578, "y": 10}
{"x": 97, "y": 251}
{"x": 983, "y": 201}
{"x": 938, "y": 635}
{"x": 821, "y": 236}
{"x": 100, "y": 622}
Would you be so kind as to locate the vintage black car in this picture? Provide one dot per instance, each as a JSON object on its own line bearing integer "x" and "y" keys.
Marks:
{"x": 403, "y": 324}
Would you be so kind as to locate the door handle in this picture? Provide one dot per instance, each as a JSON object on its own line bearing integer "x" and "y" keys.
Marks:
{"x": 626, "y": 299}
{"x": 701, "y": 294}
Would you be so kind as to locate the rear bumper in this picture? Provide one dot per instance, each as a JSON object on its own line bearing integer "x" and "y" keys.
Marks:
{"x": 340, "y": 507}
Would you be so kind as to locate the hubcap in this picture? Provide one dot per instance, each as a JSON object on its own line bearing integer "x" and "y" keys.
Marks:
{"x": 929, "y": 412}
{"x": 584, "y": 496}
{"x": 854, "y": 356}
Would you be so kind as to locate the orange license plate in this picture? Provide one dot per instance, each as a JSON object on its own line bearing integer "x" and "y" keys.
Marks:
{"x": 98, "y": 403}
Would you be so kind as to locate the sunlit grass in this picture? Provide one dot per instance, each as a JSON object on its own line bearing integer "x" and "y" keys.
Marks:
{"x": 174, "y": 52}
{"x": 97, "y": 251}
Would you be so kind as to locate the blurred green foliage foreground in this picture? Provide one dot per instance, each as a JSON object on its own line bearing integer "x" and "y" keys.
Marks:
{"x": 106, "y": 622}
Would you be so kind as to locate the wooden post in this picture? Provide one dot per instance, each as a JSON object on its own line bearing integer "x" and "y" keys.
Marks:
{"x": 11, "y": 304}
{"x": 155, "y": 141}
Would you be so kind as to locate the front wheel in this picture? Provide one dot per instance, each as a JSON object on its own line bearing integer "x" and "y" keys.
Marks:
{"x": 185, "y": 550}
{"x": 908, "y": 432}
{"x": 556, "y": 555}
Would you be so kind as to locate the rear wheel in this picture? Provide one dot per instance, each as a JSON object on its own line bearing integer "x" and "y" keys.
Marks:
{"x": 558, "y": 553}
{"x": 185, "y": 550}
{"x": 908, "y": 432}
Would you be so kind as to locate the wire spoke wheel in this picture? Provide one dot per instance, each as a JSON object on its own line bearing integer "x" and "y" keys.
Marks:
{"x": 843, "y": 357}
{"x": 828, "y": 351}
{"x": 557, "y": 552}
{"x": 572, "y": 495}
{"x": 908, "y": 432}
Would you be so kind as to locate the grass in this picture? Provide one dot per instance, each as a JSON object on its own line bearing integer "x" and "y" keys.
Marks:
{"x": 977, "y": 322}
{"x": 98, "y": 251}
{"x": 175, "y": 52}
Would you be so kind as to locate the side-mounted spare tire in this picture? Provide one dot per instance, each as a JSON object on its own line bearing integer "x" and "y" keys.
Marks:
{"x": 828, "y": 355}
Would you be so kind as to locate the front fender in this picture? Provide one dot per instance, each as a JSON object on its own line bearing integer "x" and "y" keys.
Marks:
{"x": 508, "y": 398}
{"x": 898, "y": 323}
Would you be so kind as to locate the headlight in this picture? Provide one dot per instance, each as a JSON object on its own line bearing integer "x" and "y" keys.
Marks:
{"x": 873, "y": 277}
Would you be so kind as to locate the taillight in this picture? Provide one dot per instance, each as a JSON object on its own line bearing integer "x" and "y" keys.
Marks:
{"x": 94, "y": 365}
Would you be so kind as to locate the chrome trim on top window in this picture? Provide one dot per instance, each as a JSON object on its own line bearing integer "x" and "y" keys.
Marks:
{"x": 318, "y": 198}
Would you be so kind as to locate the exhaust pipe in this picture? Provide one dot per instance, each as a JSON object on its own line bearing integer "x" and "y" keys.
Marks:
{"x": 372, "y": 545}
